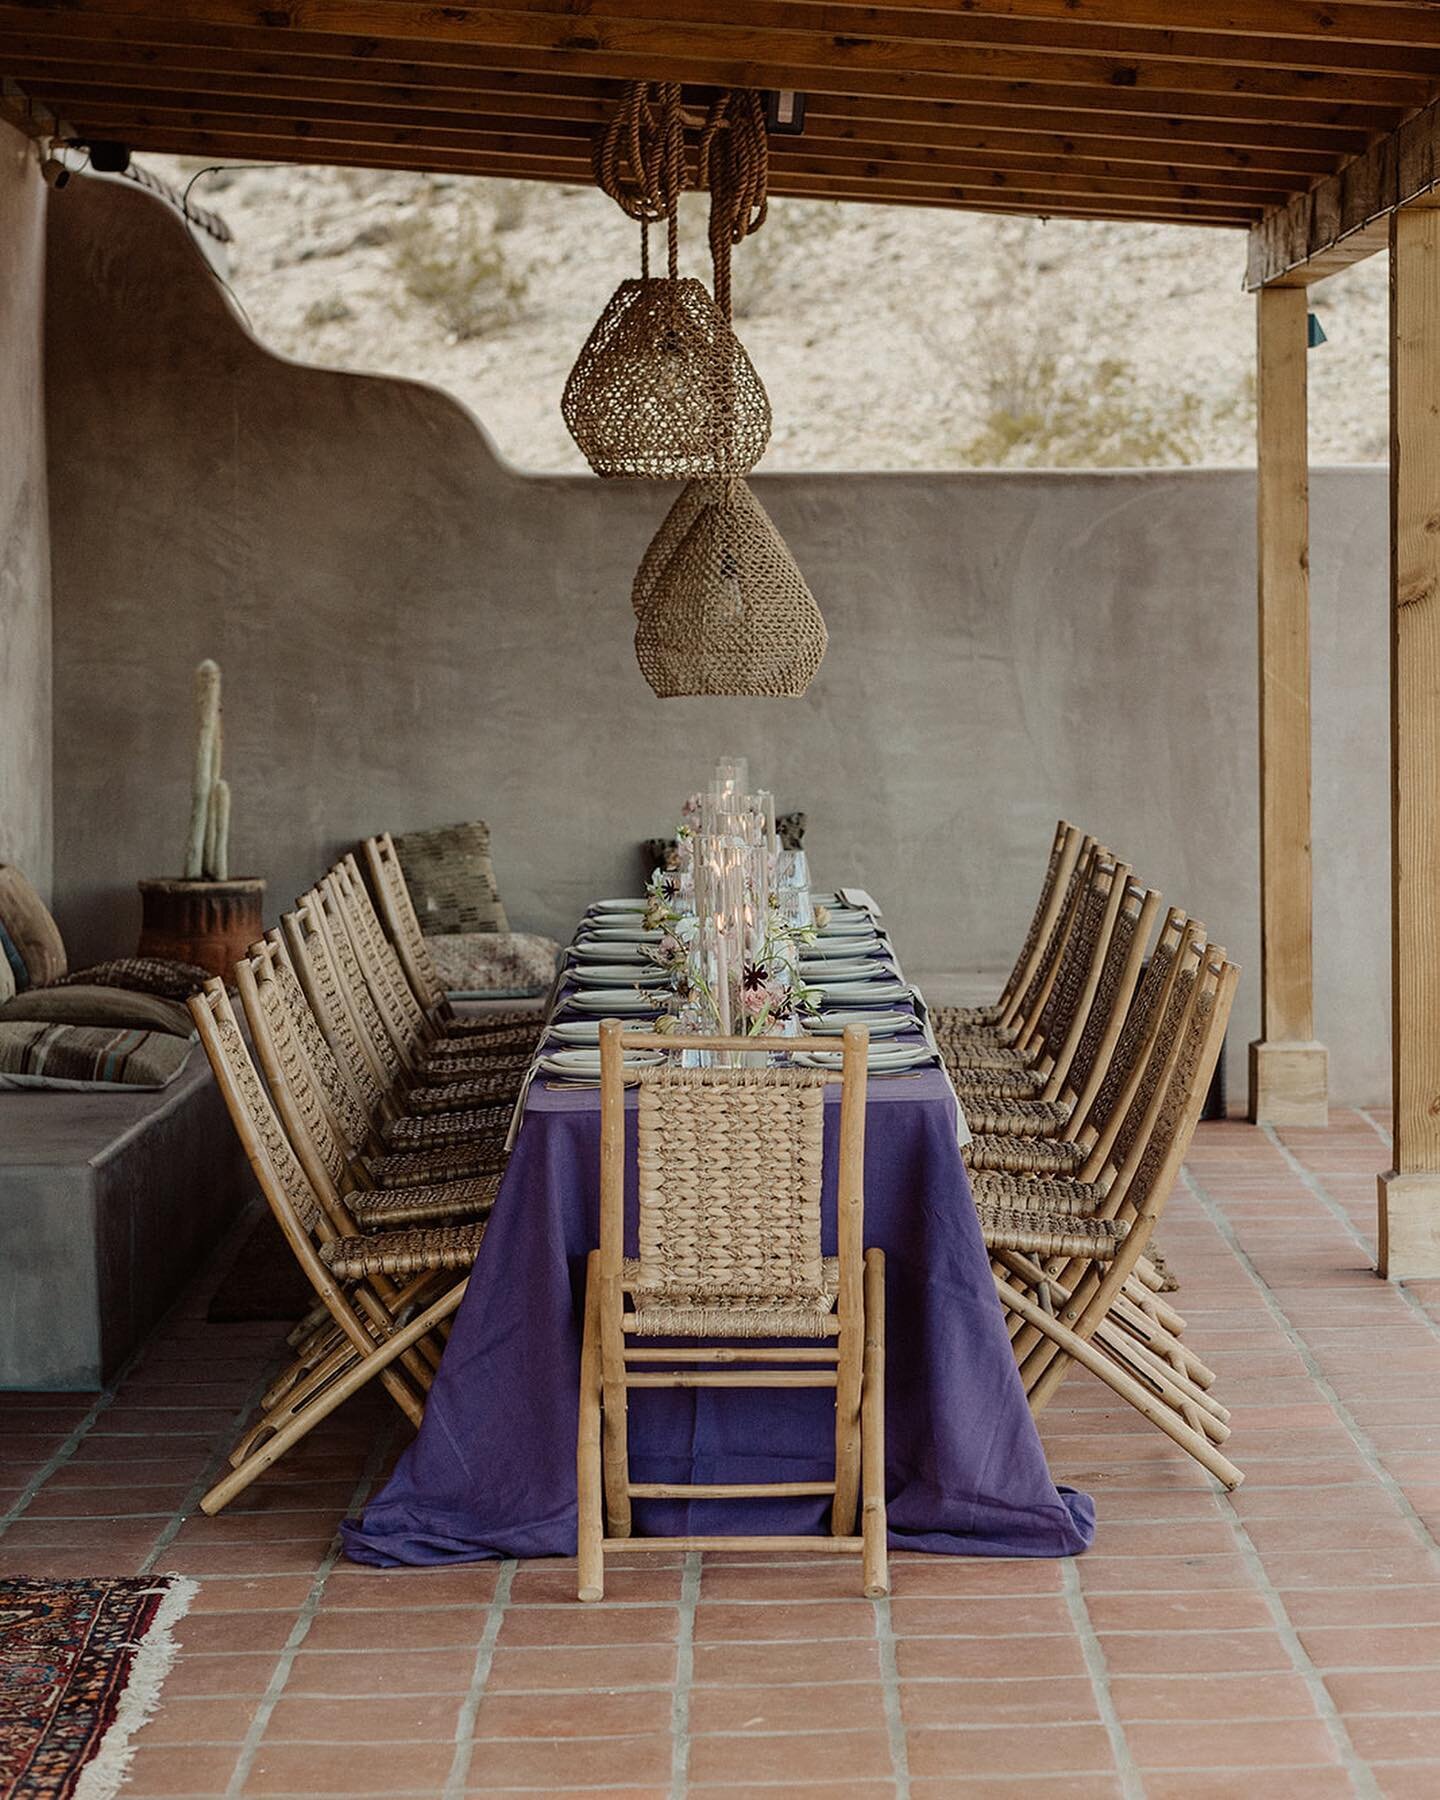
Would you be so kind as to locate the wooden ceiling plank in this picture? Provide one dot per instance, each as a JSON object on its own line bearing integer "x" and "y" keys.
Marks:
{"x": 789, "y": 58}
{"x": 148, "y": 81}
{"x": 278, "y": 149}
{"x": 410, "y": 59}
{"x": 115, "y": 109}
{"x": 518, "y": 152}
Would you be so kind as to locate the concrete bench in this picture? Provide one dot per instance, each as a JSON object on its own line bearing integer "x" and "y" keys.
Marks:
{"x": 108, "y": 1204}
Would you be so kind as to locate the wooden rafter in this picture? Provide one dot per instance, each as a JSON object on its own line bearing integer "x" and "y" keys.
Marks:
{"x": 1216, "y": 112}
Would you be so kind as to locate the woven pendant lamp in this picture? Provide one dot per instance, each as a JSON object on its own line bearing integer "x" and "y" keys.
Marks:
{"x": 729, "y": 611}
{"x": 663, "y": 387}
{"x": 667, "y": 539}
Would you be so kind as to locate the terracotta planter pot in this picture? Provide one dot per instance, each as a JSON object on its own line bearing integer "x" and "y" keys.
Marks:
{"x": 212, "y": 923}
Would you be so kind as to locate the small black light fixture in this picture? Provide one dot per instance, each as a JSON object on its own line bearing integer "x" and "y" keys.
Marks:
{"x": 108, "y": 157}
{"x": 1314, "y": 332}
{"x": 784, "y": 112}
{"x": 54, "y": 172}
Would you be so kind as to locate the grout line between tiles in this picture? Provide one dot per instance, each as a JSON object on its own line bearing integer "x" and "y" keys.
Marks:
{"x": 458, "y": 1778}
{"x": 890, "y": 1695}
{"x": 1093, "y": 1653}
{"x": 684, "y": 1678}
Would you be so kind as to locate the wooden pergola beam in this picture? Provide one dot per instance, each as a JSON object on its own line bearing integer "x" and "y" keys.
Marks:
{"x": 1346, "y": 217}
{"x": 1288, "y": 1068}
{"x": 704, "y": 48}
{"x": 1409, "y": 1193}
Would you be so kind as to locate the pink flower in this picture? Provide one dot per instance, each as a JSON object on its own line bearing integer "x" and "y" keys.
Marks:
{"x": 754, "y": 1001}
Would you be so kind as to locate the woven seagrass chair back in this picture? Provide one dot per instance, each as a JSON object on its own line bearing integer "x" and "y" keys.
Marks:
{"x": 1064, "y": 852}
{"x": 393, "y": 994}
{"x": 398, "y": 913}
{"x": 369, "y": 1001}
{"x": 283, "y": 1181}
{"x": 1142, "y": 1020}
{"x": 730, "y": 1162}
{"x": 1078, "y": 971}
{"x": 1133, "y": 1130}
{"x": 1113, "y": 993}
{"x": 318, "y": 966}
{"x": 321, "y": 1112}
{"x": 1042, "y": 978}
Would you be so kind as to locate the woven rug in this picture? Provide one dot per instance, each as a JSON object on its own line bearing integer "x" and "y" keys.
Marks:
{"x": 81, "y": 1664}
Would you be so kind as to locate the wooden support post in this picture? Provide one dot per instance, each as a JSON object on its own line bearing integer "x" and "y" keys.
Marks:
{"x": 1410, "y": 1192}
{"x": 1288, "y": 1069}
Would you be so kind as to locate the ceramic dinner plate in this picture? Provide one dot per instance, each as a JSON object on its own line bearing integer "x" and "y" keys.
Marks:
{"x": 862, "y": 926}
{"x": 618, "y": 906}
{"x": 611, "y": 952}
{"x": 607, "y": 1001}
{"x": 833, "y": 969}
{"x": 619, "y": 975}
{"x": 879, "y": 1024}
{"x": 849, "y": 946}
{"x": 587, "y": 1031}
{"x": 863, "y": 993}
{"x": 882, "y": 1058}
{"x": 621, "y": 934}
{"x": 587, "y": 1062}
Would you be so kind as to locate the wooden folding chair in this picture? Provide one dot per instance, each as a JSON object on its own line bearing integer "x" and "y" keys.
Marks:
{"x": 730, "y": 1167}
{"x": 1065, "y": 851}
{"x": 1037, "y": 1064}
{"x": 326, "y": 1120}
{"x": 433, "y": 1050}
{"x": 373, "y": 1334}
{"x": 402, "y": 924}
{"x": 1069, "y": 1289}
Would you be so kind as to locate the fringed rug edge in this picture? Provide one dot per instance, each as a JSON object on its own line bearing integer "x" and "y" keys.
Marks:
{"x": 154, "y": 1657}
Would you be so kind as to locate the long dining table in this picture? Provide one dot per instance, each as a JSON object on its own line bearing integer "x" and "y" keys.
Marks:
{"x": 492, "y": 1471}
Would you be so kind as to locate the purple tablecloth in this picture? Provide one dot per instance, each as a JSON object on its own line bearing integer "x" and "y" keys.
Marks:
{"x": 492, "y": 1472}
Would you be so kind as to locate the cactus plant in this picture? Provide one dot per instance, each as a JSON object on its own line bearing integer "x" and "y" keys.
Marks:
{"x": 207, "y": 845}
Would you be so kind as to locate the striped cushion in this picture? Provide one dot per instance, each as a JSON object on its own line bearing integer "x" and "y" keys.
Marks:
{"x": 88, "y": 1057}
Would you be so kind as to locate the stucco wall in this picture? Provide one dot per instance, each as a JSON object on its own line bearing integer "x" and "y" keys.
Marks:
{"x": 25, "y": 823}
{"x": 414, "y": 633}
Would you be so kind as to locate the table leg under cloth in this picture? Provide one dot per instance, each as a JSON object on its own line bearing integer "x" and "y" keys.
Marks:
{"x": 492, "y": 1472}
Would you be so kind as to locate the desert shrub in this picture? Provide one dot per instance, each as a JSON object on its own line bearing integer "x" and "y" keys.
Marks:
{"x": 329, "y": 311}
{"x": 460, "y": 272}
{"x": 1044, "y": 412}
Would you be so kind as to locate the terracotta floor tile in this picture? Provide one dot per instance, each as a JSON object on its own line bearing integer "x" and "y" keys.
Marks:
{"x": 219, "y": 1677}
{"x": 390, "y": 1628}
{"x": 791, "y": 1790}
{"x": 1032, "y": 1787}
{"x": 1035, "y": 1750}
{"x": 804, "y": 1620}
{"x": 1230, "y": 1744}
{"x": 1365, "y": 1606}
{"x": 577, "y": 1626}
{"x": 837, "y": 1706}
{"x": 548, "y": 1765}
{"x": 234, "y": 1631}
{"x": 362, "y": 1672}
{"x": 594, "y": 1714}
{"x": 1400, "y": 1737}
{"x": 1321, "y": 1783}
{"x": 607, "y": 1668}
{"x": 1216, "y": 1696}
{"x": 970, "y": 1576}
{"x": 1372, "y": 1646}
{"x": 470, "y": 1585}
{"x": 182, "y": 1721}
{"x": 349, "y": 1769}
{"x": 1023, "y": 1701}
{"x": 538, "y": 1582}
{"x": 1193, "y": 1652}
{"x": 993, "y": 1616}
{"x": 171, "y": 1769}
{"x": 252, "y": 1593}
{"x": 822, "y": 1578}
{"x": 792, "y": 1756}
{"x": 976, "y": 1658}
{"x": 1230, "y": 1610}
{"x": 848, "y": 1659}
{"x": 1414, "y": 1781}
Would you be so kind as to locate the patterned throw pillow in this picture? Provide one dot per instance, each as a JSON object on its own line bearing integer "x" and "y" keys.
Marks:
{"x": 30, "y": 929}
{"x": 143, "y": 975}
{"x": 74, "y": 1003}
{"x": 508, "y": 965}
{"x": 86, "y": 1058}
{"x": 451, "y": 879}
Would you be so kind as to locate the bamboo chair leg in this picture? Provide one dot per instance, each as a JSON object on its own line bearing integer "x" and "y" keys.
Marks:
{"x": 849, "y": 1389}
{"x": 1151, "y": 1373}
{"x": 364, "y": 1370}
{"x": 1079, "y": 1350}
{"x": 873, "y": 1527}
{"x": 590, "y": 1518}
